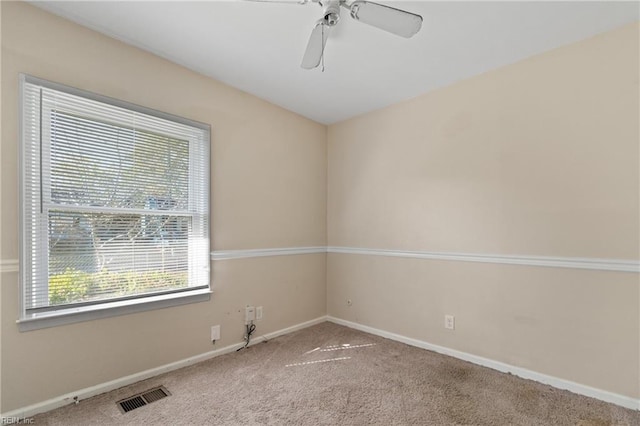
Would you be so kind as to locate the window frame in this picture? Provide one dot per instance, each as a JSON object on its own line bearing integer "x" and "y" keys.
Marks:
{"x": 110, "y": 307}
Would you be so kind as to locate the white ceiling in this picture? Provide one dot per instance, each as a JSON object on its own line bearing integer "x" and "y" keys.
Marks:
{"x": 258, "y": 47}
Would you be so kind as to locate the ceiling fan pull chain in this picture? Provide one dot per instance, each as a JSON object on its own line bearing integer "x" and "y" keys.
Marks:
{"x": 322, "y": 57}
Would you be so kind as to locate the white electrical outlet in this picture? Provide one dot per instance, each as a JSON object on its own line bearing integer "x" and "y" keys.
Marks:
{"x": 450, "y": 322}
{"x": 215, "y": 333}
{"x": 259, "y": 313}
{"x": 249, "y": 314}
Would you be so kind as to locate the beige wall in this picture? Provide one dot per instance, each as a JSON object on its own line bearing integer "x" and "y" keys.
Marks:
{"x": 537, "y": 158}
{"x": 268, "y": 190}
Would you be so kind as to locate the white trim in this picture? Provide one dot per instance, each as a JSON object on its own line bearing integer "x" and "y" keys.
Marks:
{"x": 9, "y": 265}
{"x": 596, "y": 264}
{"x": 111, "y": 309}
{"x": 94, "y": 209}
{"x": 245, "y": 254}
{"x": 282, "y": 332}
{"x": 603, "y": 395}
{"x": 114, "y": 102}
{"x": 620, "y": 265}
{"x": 85, "y": 393}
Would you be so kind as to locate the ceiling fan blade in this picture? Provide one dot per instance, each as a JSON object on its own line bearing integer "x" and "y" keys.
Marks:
{"x": 315, "y": 47}
{"x": 395, "y": 21}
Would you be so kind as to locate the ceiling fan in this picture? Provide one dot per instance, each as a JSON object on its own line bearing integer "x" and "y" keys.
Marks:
{"x": 395, "y": 21}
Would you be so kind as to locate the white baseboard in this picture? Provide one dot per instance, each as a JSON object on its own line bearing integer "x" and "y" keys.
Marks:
{"x": 603, "y": 395}
{"x": 85, "y": 393}
{"x": 287, "y": 330}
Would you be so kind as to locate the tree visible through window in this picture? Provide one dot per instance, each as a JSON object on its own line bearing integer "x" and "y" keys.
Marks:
{"x": 116, "y": 202}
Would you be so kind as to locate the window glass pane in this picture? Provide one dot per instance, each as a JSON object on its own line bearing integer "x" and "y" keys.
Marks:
{"x": 102, "y": 256}
{"x": 96, "y": 163}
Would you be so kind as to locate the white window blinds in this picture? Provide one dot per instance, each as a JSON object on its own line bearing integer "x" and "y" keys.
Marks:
{"x": 115, "y": 200}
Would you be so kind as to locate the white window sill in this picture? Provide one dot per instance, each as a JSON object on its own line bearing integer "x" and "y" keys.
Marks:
{"x": 110, "y": 309}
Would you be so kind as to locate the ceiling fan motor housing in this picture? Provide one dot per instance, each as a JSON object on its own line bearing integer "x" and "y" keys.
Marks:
{"x": 331, "y": 13}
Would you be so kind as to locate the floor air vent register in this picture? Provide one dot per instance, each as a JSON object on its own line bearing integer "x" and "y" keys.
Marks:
{"x": 142, "y": 399}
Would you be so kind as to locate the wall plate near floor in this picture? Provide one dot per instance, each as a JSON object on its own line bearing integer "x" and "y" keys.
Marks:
{"x": 249, "y": 314}
{"x": 449, "y": 322}
{"x": 215, "y": 333}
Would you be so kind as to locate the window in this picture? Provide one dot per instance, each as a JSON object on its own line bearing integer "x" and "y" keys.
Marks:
{"x": 114, "y": 207}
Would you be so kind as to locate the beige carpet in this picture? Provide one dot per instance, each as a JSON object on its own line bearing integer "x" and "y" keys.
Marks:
{"x": 333, "y": 375}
